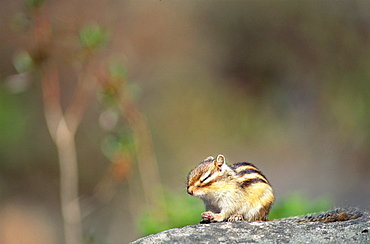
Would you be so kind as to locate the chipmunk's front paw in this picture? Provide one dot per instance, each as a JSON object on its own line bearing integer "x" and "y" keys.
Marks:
{"x": 236, "y": 217}
{"x": 207, "y": 217}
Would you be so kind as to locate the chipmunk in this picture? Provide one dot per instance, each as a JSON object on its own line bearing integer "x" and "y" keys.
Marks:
{"x": 231, "y": 193}
{"x": 241, "y": 192}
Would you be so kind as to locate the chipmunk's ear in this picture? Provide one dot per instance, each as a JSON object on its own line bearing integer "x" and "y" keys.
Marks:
{"x": 220, "y": 161}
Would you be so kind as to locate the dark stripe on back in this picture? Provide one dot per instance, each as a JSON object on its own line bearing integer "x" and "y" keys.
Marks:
{"x": 248, "y": 171}
{"x": 252, "y": 181}
{"x": 236, "y": 165}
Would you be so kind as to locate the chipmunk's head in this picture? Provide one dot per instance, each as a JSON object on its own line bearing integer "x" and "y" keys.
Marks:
{"x": 209, "y": 171}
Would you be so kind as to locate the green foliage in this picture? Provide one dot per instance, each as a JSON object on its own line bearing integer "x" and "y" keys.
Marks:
{"x": 298, "y": 204}
{"x": 13, "y": 119}
{"x": 14, "y": 127}
{"x": 181, "y": 209}
{"x": 118, "y": 74}
{"x": 34, "y": 4}
{"x": 117, "y": 70}
{"x": 121, "y": 142}
{"x": 93, "y": 37}
{"x": 117, "y": 87}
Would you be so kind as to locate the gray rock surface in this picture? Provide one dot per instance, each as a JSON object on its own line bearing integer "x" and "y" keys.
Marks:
{"x": 278, "y": 231}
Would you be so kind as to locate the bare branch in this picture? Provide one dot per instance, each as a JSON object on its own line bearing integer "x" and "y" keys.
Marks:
{"x": 83, "y": 93}
{"x": 60, "y": 132}
{"x": 51, "y": 97}
{"x": 65, "y": 143}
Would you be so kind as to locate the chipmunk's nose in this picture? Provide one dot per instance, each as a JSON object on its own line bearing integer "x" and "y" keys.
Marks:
{"x": 189, "y": 190}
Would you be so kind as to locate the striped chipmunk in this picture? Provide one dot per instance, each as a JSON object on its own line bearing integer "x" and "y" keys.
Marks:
{"x": 241, "y": 192}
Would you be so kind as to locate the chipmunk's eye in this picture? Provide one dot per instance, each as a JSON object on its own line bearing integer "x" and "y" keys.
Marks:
{"x": 205, "y": 177}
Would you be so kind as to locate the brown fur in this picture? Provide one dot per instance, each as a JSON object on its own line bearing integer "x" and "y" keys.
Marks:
{"x": 239, "y": 192}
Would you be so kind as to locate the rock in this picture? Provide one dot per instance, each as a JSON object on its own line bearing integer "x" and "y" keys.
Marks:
{"x": 277, "y": 231}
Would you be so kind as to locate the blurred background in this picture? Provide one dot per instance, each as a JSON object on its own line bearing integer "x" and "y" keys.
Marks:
{"x": 282, "y": 84}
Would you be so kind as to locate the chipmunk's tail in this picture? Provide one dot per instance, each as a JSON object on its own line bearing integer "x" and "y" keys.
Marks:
{"x": 338, "y": 214}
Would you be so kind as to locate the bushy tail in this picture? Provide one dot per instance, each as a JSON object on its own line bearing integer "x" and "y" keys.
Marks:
{"x": 338, "y": 214}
